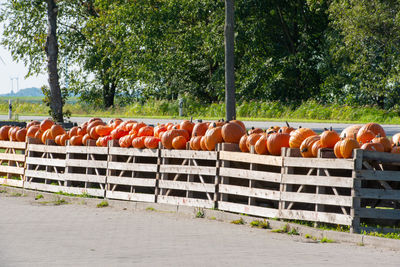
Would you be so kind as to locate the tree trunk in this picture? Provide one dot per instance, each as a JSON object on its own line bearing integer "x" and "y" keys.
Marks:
{"x": 56, "y": 104}
{"x": 108, "y": 94}
{"x": 229, "y": 61}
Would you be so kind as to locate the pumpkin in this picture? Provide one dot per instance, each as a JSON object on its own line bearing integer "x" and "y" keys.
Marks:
{"x": 395, "y": 138}
{"x": 138, "y": 142}
{"x": 255, "y": 130}
{"x": 85, "y": 139}
{"x": 179, "y": 142}
{"x": 57, "y": 130}
{"x": 241, "y": 124}
{"x": 46, "y": 124}
{"x": 373, "y": 147}
{"x": 93, "y": 134}
{"x": 187, "y": 125}
{"x": 118, "y": 133}
{"x": 200, "y": 129}
{"x": 167, "y": 138}
{"x": 306, "y": 146}
{"x": 12, "y": 133}
{"x": 350, "y": 131}
{"x": 373, "y": 127}
{"x": 173, "y": 127}
{"x": 232, "y": 132}
{"x": 329, "y": 138}
{"x": 39, "y": 134}
{"x": 213, "y": 137}
{"x": 126, "y": 125}
{"x": 93, "y": 119}
{"x": 125, "y": 141}
{"x": 396, "y": 148}
{"x": 252, "y": 139}
{"x": 286, "y": 129}
{"x": 336, "y": 149}
{"x": 4, "y": 132}
{"x": 195, "y": 143}
{"x": 146, "y": 131}
{"x": 203, "y": 143}
{"x": 114, "y": 123}
{"x": 215, "y": 124}
{"x": 158, "y": 129}
{"x": 47, "y": 136}
{"x": 365, "y": 137}
{"x": 73, "y": 131}
{"x": 273, "y": 129}
{"x": 82, "y": 130}
{"x": 63, "y": 139}
{"x": 316, "y": 147}
{"x": 261, "y": 146}
{"x": 21, "y": 135}
{"x": 242, "y": 143}
{"x": 136, "y": 127}
{"x": 32, "y": 123}
{"x": 103, "y": 141}
{"x": 93, "y": 125}
{"x": 103, "y": 130}
{"x": 298, "y": 136}
{"x": 387, "y": 145}
{"x": 275, "y": 142}
{"x": 31, "y": 131}
{"x": 151, "y": 142}
{"x": 347, "y": 146}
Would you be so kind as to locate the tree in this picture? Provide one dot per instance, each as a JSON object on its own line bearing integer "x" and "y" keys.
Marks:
{"x": 229, "y": 60}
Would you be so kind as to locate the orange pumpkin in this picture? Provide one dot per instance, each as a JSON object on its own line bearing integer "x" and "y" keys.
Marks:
{"x": 200, "y": 129}
{"x": 63, "y": 139}
{"x": 32, "y": 123}
{"x": 365, "y": 136}
{"x": 21, "y": 135}
{"x": 125, "y": 141}
{"x": 241, "y": 124}
{"x": 350, "y": 131}
{"x": 136, "y": 127}
{"x": 73, "y": 131}
{"x": 387, "y": 146}
{"x": 94, "y": 119}
{"x": 47, "y": 136}
{"x": 195, "y": 143}
{"x": 287, "y": 129}
{"x": 373, "y": 147}
{"x": 103, "y": 130}
{"x": 39, "y": 134}
{"x": 347, "y": 146}
{"x": 336, "y": 149}
{"x": 316, "y": 147}
{"x": 138, "y": 142}
{"x": 85, "y": 139}
{"x": 215, "y": 124}
{"x": 232, "y": 132}
{"x": 255, "y": 131}
{"x": 275, "y": 142}
{"x": 93, "y": 134}
{"x": 82, "y": 130}
{"x": 306, "y": 146}
{"x": 243, "y": 143}
{"x": 203, "y": 143}
{"x": 57, "y": 140}
{"x": 57, "y": 130}
{"x": 179, "y": 142}
{"x": 46, "y": 124}
{"x": 298, "y": 136}
{"x": 187, "y": 125}
{"x": 118, "y": 133}
{"x": 146, "y": 131}
{"x": 213, "y": 137}
{"x": 373, "y": 127}
{"x": 76, "y": 140}
{"x": 12, "y": 133}
{"x": 261, "y": 146}
{"x": 159, "y": 129}
{"x": 4, "y": 132}
{"x": 93, "y": 125}
{"x": 31, "y": 131}
{"x": 329, "y": 138}
{"x": 151, "y": 142}
{"x": 252, "y": 139}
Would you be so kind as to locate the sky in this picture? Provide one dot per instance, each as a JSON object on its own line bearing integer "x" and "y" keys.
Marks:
{"x": 12, "y": 69}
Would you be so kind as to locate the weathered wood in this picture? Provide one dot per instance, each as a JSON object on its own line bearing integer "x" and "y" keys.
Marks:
{"x": 189, "y": 154}
{"x": 202, "y": 170}
{"x": 250, "y": 192}
{"x": 46, "y": 162}
{"x": 378, "y": 194}
{"x": 12, "y": 170}
{"x": 87, "y": 163}
{"x": 44, "y": 187}
{"x": 130, "y": 196}
{"x": 194, "y": 202}
{"x": 45, "y": 175}
{"x": 381, "y": 156}
{"x": 249, "y": 174}
{"x": 346, "y": 164}
{"x": 355, "y": 207}
{"x": 13, "y": 145}
{"x": 87, "y": 150}
{"x": 12, "y": 157}
{"x": 12, "y": 182}
{"x": 247, "y": 209}
{"x": 378, "y": 175}
{"x": 306, "y": 215}
{"x": 78, "y": 177}
{"x": 317, "y": 198}
{"x": 184, "y": 185}
{"x": 251, "y": 158}
{"x": 133, "y": 152}
{"x": 87, "y": 191}
{"x": 379, "y": 213}
{"x": 317, "y": 180}
{"x": 146, "y": 182}
{"x": 46, "y": 148}
{"x": 140, "y": 167}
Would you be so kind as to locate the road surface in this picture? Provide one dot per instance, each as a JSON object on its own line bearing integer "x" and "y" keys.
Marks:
{"x": 390, "y": 129}
{"x": 41, "y": 234}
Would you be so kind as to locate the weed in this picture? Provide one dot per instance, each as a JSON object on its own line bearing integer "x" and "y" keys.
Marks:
{"x": 243, "y": 214}
{"x": 326, "y": 240}
{"x": 361, "y": 244}
{"x": 260, "y": 224}
{"x": 102, "y": 204}
{"x": 150, "y": 209}
{"x": 307, "y": 236}
{"x": 200, "y": 213}
{"x": 239, "y": 221}
{"x": 293, "y": 232}
{"x": 16, "y": 195}
{"x": 3, "y": 191}
{"x": 59, "y": 202}
{"x": 38, "y": 196}
{"x": 212, "y": 218}
{"x": 284, "y": 229}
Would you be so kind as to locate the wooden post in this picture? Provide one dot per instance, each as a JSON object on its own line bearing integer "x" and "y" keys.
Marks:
{"x": 319, "y": 189}
{"x": 355, "y": 206}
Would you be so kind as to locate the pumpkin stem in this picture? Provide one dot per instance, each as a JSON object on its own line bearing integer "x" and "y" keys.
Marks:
{"x": 300, "y": 127}
{"x": 191, "y": 119}
{"x": 287, "y": 124}
{"x": 304, "y": 150}
{"x": 325, "y": 129}
{"x": 330, "y": 128}
{"x": 280, "y": 131}
{"x": 355, "y": 136}
{"x": 200, "y": 120}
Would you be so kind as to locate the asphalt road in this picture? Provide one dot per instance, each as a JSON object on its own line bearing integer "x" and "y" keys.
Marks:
{"x": 41, "y": 234}
{"x": 390, "y": 129}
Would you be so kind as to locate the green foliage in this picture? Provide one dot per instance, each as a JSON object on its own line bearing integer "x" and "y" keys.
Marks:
{"x": 260, "y": 224}
{"x": 47, "y": 101}
{"x": 150, "y": 209}
{"x": 200, "y": 213}
{"x": 238, "y": 221}
{"x": 326, "y": 240}
{"x": 38, "y": 196}
{"x": 102, "y": 204}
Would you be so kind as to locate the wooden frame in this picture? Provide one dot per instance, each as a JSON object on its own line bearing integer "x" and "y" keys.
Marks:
{"x": 12, "y": 163}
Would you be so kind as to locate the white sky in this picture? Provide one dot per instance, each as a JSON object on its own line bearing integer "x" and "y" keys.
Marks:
{"x": 14, "y": 69}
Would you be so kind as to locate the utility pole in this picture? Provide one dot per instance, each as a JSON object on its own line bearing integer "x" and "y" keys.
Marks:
{"x": 230, "y": 101}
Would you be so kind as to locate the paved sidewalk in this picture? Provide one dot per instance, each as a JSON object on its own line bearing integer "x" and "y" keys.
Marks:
{"x": 42, "y": 234}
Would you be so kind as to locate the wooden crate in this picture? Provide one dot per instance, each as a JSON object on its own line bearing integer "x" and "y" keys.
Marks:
{"x": 12, "y": 163}
{"x": 86, "y": 170}
{"x": 317, "y": 189}
{"x": 45, "y": 166}
{"x": 188, "y": 177}
{"x": 249, "y": 183}
{"x": 377, "y": 190}
{"x": 132, "y": 173}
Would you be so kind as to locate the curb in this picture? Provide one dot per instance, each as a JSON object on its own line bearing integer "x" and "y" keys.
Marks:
{"x": 341, "y": 237}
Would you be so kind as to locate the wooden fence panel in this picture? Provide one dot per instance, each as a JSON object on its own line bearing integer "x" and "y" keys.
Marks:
{"x": 12, "y": 163}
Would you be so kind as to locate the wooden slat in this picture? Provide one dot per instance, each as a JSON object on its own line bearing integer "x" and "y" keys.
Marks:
{"x": 45, "y": 175}
{"x": 201, "y": 170}
{"x": 378, "y": 175}
{"x": 46, "y": 162}
{"x": 131, "y": 181}
{"x": 246, "y": 209}
{"x": 347, "y": 164}
{"x": 384, "y": 230}
{"x": 249, "y": 174}
{"x": 139, "y": 167}
{"x": 379, "y": 213}
{"x": 85, "y": 178}
{"x": 317, "y": 198}
{"x": 131, "y": 196}
{"x": 378, "y": 194}
{"x": 317, "y": 180}
{"x": 86, "y": 163}
{"x": 12, "y": 169}
{"x": 189, "y": 154}
{"x": 80, "y": 191}
{"x": 381, "y": 156}
{"x": 43, "y": 187}
{"x": 203, "y": 203}
{"x": 47, "y": 149}
{"x": 13, "y": 157}
{"x": 133, "y": 152}
{"x": 250, "y": 158}
{"x": 11, "y": 144}
{"x": 190, "y": 186}
{"x": 87, "y": 150}
{"x": 306, "y": 215}
{"x": 12, "y": 182}
{"x": 251, "y": 192}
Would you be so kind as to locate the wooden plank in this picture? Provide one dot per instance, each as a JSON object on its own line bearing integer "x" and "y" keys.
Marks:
{"x": 87, "y": 191}
{"x": 251, "y": 158}
{"x": 189, "y": 154}
{"x": 378, "y": 175}
{"x": 317, "y": 180}
{"x": 249, "y": 174}
{"x": 378, "y": 194}
{"x": 47, "y": 149}
{"x": 202, "y": 170}
{"x": 131, "y": 181}
{"x": 306, "y": 215}
{"x": 381, "y": 156}
{"x": 379, "y": 213}
{"x": 347, "y": 164}
{"x": 86, "y": 163}
{"x": 250, "y": 192}
{"x": 140, "y": 167}
{"x": 202, "y": 203}
{"x": 130, "y": 196}
{"x": 44, "y": 187}
{"x": 246, "y": 209}
{"x": 317, "y": 198}
{"x": 13, "y": 157}
{"x": 87, "y": 150}
{"x": 133, "y": 152}
{"x": 12, "y": 169}
{"x": 384, "y": 230}
{"x": 46, "y": 162}
{"x": 12, "y": 182}
{"x": 45, "y": 175}
{"x": 191, "y": 186}
{"x": 81, "y": 177}
{"x": 11, "y": 144}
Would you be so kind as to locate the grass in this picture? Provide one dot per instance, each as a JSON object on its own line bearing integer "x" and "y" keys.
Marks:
{"x": 102, "y": 204}
{"x": 2, "y": 191}
{"x": 58, "y": 202}
{"x": 84, "y": 195}
{"x": 212, "y": 218}
{"x": 239, "y": 221}
{"x": 150, "y": 209}
{"x": 37, "y": 197}
{"x": 326, "y": 240}
{"x": 260, "y": 224}
{"x": 200, "y": 213}
{"x": 16, "y": 194}
{"x": 284, "y": 229}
